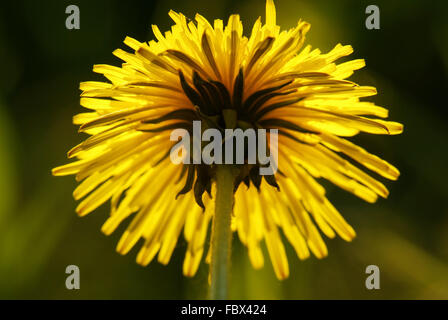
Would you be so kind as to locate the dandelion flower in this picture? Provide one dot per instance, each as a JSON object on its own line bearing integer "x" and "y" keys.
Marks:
{"x": 216, "y": 75}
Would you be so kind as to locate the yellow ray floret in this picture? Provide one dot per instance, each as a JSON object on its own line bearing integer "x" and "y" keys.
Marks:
{"x": 199, "y": 70}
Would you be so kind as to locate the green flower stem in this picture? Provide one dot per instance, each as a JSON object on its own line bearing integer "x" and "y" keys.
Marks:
{"x": 221, "y": 240}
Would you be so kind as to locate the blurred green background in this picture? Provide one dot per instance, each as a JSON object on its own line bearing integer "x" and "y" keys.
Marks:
{"x": 40, "y": 234}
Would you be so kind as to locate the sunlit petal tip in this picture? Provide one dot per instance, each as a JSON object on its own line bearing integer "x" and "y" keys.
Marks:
{"x": 147, "y": 254}
{"x": 106, "y": 228}
{"x": 270, "y": 13}
{"x": 256, "y": 258}
{"x": 394, "y": 173}
{"x": 396, "y": 128}
{"x": 283, "y": 275}
{"x": 141, "y": 259}
{"x": 81, "y": 210}
{"x": 126, "y": 242}
{"x": 349, "y": 235}
{"x": 303, "y": 255}
{"x": 57, "y": 171}
{"x": 191, "y": 263}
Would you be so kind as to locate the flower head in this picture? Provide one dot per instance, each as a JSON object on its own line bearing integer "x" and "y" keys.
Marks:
{"x": 216, "y": 75}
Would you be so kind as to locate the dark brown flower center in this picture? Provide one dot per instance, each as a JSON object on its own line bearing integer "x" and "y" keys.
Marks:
{"x": 216, "y": 108}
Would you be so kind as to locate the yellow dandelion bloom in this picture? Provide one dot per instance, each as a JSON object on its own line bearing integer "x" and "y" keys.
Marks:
{"x": 216, "y": 75}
